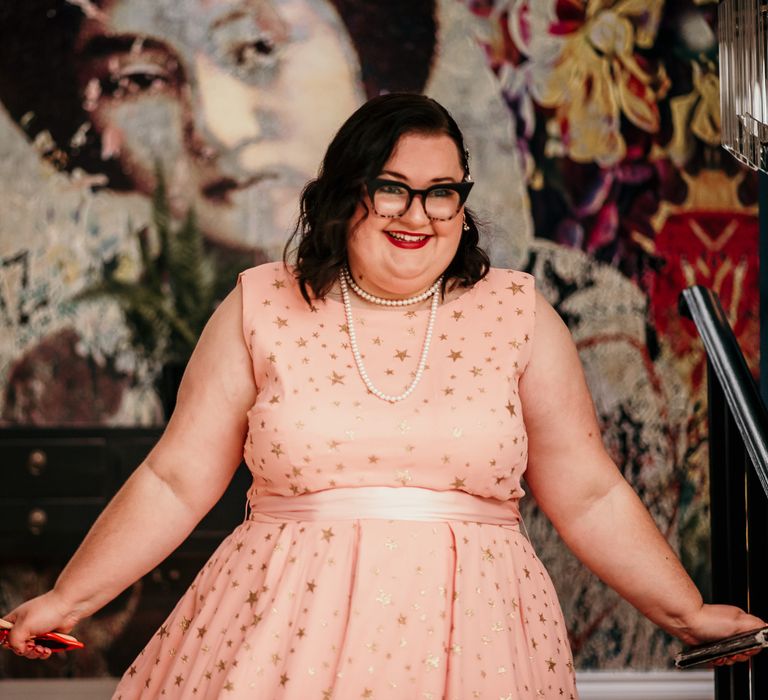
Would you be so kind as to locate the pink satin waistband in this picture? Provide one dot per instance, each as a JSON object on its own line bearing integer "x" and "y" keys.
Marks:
{"x": 384, "y": 503}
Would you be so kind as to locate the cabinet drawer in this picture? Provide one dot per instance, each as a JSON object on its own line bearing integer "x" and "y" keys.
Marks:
{"x": 56, "y": 467}
{"x": 45, "y": 527}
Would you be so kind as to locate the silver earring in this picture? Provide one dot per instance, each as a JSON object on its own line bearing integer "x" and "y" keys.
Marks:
{"x": 466, "y": 225}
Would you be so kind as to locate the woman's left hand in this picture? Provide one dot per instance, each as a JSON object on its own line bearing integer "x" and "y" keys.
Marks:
{"x": 712, "y": 622}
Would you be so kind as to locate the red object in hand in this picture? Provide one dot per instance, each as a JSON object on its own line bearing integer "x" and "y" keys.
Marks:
{"x": 55, "y": 641}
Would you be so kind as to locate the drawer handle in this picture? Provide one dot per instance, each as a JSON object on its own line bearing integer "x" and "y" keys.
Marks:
{"x": 36, "y": 520}
{"x": 37, "y": 462}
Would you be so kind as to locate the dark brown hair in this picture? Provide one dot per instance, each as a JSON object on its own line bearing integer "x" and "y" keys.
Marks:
{"x": 356, "y": 154}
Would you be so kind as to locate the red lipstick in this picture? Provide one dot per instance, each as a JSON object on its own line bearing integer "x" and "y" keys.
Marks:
{"x": 407, "y": 244}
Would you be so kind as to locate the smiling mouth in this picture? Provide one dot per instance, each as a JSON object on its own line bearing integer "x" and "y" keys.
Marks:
{"x": 408, "y": 237}
{"x": 220, "y": 190}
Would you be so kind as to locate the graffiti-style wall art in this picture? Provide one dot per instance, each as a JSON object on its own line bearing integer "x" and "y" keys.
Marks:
{"x": 593, "y": 128}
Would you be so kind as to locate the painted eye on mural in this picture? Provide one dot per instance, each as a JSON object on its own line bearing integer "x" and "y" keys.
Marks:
{"x": 255, "y": 54}
{"x": 137, "y": 78}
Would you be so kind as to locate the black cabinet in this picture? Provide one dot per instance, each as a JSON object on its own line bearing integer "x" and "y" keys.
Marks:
{"x": 55, "y": 482}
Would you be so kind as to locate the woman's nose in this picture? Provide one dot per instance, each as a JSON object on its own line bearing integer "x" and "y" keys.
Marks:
{"x": 416, "y": 212}
{"x": 222, "y": 116}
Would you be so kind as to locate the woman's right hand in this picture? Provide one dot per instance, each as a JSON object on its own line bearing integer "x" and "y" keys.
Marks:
{"x": 46, "y": 613}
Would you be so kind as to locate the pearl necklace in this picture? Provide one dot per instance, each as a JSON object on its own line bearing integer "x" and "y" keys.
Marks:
{"x": 389, "y": 302}
{"x": 343, "y": 282}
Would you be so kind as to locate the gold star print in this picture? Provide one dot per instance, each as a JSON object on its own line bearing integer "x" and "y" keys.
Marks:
{"x": 401, "y": 355}
{"x": 403, "y": 476}
{"x": 510, "y": 408}
{"x": 301, "y": 342}
{"x": 179, "y": 680}
{"x": 476, "y": 371}
{"x": 327, "y": 534}
{"x": 277, "y": 449}
{"x": 311, "y": 585}
{"x": 229, "y": 686}
{"x": 448, "y": 390}
{"x": 334, "y": 445}
{"x": 488, "y": 554}
{"x": 516, "y": 289}
{"x": 327, "y": 694}
{"x": 253, "y": 597}
{"x": 132, "y": 671}
{"x": 373, "y": 459}
{"x": 275, "y": 399}
{"x": 402, "y": 619}
{"x": 455, "y": 355}
{"x": 300, "y": 633}
{"x": 281, "y": 322}
{"x": 284, "y": 679}
{"x": 526, "y": 572}
{"x": 367, "y": 693}
{"x": 278, "y": 284}
{"x": 457, "y": 315}
{"x": 551, "y": 664}
{"x": 163, "y": 632}
{"x": 201, "y": 631}
{"x": 336, "y": 378}
{"x": 458, "y": 483}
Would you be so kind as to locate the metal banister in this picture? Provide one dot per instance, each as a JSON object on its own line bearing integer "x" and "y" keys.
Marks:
{"x": 703, "y": 307}
{"x": 738, "y": 484}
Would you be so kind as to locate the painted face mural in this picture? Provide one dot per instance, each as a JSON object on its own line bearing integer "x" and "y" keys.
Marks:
{"x": 231, "y": 99}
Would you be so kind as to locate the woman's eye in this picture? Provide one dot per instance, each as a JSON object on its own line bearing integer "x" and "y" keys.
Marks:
{"x": 445, "y": 192}
{"x": 391, "y": 189}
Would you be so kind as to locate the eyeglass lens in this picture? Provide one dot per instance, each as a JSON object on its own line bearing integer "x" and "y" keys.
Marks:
{"x": 391, "y": 200}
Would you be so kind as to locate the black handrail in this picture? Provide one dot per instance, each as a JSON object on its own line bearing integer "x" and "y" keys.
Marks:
{"x": 704, "y": 308}
{"x": 738, "y": 438}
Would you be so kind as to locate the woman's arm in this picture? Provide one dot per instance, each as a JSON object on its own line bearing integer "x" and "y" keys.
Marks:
{"x": 179, "y": 481}
{"x": 594, "y": 509}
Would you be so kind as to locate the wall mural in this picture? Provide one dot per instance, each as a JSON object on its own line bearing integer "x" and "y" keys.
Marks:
{"x": 594, "y": 133}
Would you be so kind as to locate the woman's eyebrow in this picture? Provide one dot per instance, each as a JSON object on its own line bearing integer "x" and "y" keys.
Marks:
{"x": 108, "y": 45}
{"x": 400, "y": 176}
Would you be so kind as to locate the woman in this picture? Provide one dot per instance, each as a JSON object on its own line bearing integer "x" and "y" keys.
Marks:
{"x": 381, "y": 380}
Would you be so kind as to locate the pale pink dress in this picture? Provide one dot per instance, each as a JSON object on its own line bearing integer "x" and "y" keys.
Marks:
{"x": 355, "y": 598}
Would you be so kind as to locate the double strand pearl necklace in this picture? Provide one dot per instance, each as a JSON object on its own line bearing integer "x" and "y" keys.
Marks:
{"x": 345, "y": 281}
